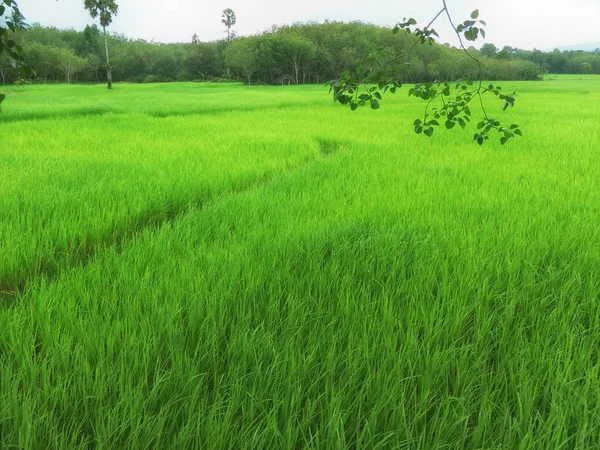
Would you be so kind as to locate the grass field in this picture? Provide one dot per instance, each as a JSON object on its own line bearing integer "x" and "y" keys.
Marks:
{"x": 216, "y": 266}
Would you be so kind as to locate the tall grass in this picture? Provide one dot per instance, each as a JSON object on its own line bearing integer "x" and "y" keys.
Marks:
{"x": 314, "y": 278}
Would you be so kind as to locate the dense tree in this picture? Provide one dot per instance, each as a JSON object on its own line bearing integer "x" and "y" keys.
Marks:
{"x": 241, "y": 56}
{"x": 105, "y": 10}
{"x": 489, "y": 50}
{"x": 334, "y": 47}
{"x": 299, "y": 53}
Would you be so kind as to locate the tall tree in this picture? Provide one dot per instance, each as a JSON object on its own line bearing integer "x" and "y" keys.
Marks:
{"x": 228, "y": 19}
{"x": 105, "y": 9}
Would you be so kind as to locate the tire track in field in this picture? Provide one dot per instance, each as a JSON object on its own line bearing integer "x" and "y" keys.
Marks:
{"x": 157, "y": 114}
{"x": 81, "y": 253}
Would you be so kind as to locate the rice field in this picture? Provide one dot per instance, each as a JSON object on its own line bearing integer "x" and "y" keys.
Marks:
{"x": 215, "y": 266}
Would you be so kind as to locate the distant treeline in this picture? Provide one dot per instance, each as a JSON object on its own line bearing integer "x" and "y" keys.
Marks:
{"x": 300, "y": 53}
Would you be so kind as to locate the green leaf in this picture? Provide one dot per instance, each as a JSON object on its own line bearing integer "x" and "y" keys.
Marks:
{"x": 2, "y": 9}
{"x": 475, "y": 14}
{"x": 503, "y": 140}
{"x": 377, "y": 95}
{"x": 428, "y": 131}
{"x": 461, "y": 122}
{"x": 450, "y": 124}
{"x": 480, "y": 140}
{"x": 2, "y": 97}
{"x": 482, "y": 31}
{"x": 418, "y": 129}
{"x": 374, "y": 104}
{"x": 482, "y": 22}
{"x": 353, "y": 106}
{"x": 513, "y": 126}
{"x": 519, "y": 133}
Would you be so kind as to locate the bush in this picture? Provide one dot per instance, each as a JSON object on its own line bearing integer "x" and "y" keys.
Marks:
{"x": 151, "y": 79}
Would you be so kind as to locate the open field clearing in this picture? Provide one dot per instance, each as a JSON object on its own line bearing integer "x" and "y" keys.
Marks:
{"x": 215, "y": 266}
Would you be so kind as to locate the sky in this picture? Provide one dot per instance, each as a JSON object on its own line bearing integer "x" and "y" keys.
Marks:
{"x": 526, "y": 24}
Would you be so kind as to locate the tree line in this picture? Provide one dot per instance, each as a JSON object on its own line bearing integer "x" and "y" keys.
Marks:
{"x": 296, "y": 54}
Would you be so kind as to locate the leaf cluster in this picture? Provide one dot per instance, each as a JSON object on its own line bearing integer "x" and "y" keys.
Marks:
{"x": 104, "y": 9}
{"x": 12, "y": 49}
{"x": 348, "y": 91}
{"x": 468, "y": 28}
{"x": 452, "y": 100}
{"x": 424, "y": 35}
{"x": 455, "y": 110}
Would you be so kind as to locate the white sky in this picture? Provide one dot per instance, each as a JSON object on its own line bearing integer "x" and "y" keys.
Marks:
{"x": 525, "y": 24}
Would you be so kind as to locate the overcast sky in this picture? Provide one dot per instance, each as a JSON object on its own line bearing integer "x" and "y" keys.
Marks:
{"x": 525, "y": 24}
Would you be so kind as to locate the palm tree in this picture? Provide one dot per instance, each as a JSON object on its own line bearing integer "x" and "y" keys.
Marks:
{"x": 228, "y": 19}
{"x": 105, "y": 9}
{"x": 18, "y": 20}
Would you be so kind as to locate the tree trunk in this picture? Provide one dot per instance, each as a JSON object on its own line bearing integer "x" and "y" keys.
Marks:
{"x": 296, "y": 62}
{"x": 108, "y": 72}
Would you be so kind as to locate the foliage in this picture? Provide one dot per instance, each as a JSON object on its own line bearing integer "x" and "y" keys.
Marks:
{"x": 228, "y": 19}
{"x": 105, "y": 10}
{"x": 453, "y": 99}
{"x": 332, "y": 48}
{"x": 10, "y": 51}
{"x": 241, "y": 55}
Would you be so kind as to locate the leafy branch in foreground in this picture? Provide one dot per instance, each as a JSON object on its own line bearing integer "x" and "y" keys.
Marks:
{"x": 14, "y": 51}
{"x": 447, "y": 102}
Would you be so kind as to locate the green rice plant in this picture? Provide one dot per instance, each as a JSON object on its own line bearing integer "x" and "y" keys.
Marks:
{"x": 387, "y": 292}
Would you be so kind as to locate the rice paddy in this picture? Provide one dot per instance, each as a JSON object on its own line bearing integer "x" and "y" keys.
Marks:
{"x": 196, "y": 265}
